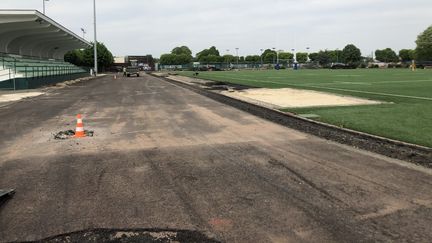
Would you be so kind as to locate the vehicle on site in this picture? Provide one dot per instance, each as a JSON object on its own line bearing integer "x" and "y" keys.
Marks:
{"x": 133, "y": 69}
{"x": 129, "y": 71}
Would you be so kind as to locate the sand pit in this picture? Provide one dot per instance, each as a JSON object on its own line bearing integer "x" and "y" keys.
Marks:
{"x": 296, "y": 98}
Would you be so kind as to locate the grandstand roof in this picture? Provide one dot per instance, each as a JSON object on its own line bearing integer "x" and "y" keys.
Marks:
{"x": 31, "y": 33}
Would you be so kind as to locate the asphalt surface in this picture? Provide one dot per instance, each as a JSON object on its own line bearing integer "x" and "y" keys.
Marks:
{"x": 166, "y": 161}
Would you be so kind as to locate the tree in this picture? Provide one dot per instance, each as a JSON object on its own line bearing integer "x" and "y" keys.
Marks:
{"x": 86, "y": 57}
{"x": 182, "y": 50}
{"x": 253, "y": 59}
{"x": 407, "y": 55}
{"x": 183, "y": 55}
{"x": 268, "y": 56}
{"x": 286, "y": 56}
{"x": 212, "y": 51}
{"x": 302, "y": 57}
{"x": 324, "y": 58}
{"x": 351, "y": 55}
{"x": 313, "y": 56}
{"x": 210, "y": 59}
{"x": 182, "y": 59}
{"x": 173, "y": 59}
{"x": 167, "y": 59}
{"x": 75, "y": 57}
{"x": 335, "y": 56}
{"x": 424, "y": 45}
{"x": 386, "y": 55}
{"x": 105, "y": 57}
{"x": 229, "y": 58}
{"x": 179, "y": 56}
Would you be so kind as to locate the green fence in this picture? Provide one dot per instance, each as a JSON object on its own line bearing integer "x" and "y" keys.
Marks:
{"x": 214, "y": 66}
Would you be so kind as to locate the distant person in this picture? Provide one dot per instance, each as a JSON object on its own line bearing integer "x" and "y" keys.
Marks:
{"x": 124, "y": 71}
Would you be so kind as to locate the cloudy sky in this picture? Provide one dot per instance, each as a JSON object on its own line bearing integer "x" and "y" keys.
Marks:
{"x": 135, "y": 27}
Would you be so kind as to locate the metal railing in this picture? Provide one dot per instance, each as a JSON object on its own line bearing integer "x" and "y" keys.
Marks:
{"x": 46, "y": 71}
{"x": 9, "y": 55}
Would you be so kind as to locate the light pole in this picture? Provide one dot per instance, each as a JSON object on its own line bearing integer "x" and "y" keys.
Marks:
{"x": 95, "y": 40}
{"x": 337, "y": 55}
{"x": 274, "y": 49}
{"x": 43, "y": 3}
{"x": 262, "y": 57}
{"x": 227, "y": 58}
{"x": 295, "y": 59}
{"x": 277, "y": 54}
{"x": 84, "y": 32}
{"x": 277, "y": 57}
{"x": 295, "y": 55}
{"x": 237, "y": 49}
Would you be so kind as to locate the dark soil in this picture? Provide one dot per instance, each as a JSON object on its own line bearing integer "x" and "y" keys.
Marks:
{"x": 128, "y": 235}
{"x": 218, "y": 85}
{"x": 62, "y": 135}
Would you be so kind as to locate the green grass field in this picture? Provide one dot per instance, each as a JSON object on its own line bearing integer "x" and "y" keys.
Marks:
{"x": 408, "y": 118}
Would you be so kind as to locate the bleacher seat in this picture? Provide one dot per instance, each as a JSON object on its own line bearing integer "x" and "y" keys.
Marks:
{"x": 33, "y": 68}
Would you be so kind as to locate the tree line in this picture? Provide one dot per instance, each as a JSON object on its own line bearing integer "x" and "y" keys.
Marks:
{"x": 349, "y": 55}
{"x": 85, "y": 57}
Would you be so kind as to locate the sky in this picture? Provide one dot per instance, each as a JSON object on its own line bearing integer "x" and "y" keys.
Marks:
{"x": 136, "y": 27}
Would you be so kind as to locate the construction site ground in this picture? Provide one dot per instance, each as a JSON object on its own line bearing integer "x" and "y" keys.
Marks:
{"x": 167, "y": 162}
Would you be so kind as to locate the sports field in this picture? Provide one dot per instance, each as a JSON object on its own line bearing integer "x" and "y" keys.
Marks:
{"x": 407, "y": 116}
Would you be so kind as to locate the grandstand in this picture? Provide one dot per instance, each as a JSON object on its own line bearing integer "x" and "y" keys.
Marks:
{"x": 32, "y": 48}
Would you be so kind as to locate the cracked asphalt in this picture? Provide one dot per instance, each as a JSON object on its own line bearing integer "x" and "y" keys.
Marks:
{"x": 165, "y": 158}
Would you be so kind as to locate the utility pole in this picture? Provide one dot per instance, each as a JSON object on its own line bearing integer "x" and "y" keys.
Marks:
{"x": 277, "y": 55}
{"x": 237, "y": 49}
{"x": 274, "y": 49}
{"x": 95, "y": 40}
{"x": 262, "y": 57}
{"x": 337, "y": 55}
{"x": 295, "y": 55}
{"x": 227, "y": 57}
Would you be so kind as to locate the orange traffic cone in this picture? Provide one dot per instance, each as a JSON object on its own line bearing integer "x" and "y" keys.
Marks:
{"x": 79, "y": 131}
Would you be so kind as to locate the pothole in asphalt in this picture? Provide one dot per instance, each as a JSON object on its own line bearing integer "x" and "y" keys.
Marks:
{"x": 135, "y": 235}
{"x": 62, "y": 135}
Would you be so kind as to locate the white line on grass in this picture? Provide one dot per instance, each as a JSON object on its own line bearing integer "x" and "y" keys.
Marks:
{"x": 375, "y": 93}
{"x": 344, "y": 82}
{"x": 348, "y": 75}
{"x": 402, "y": 81}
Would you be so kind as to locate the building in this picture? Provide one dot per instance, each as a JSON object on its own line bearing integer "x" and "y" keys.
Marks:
{"x": 32, "y": 48}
